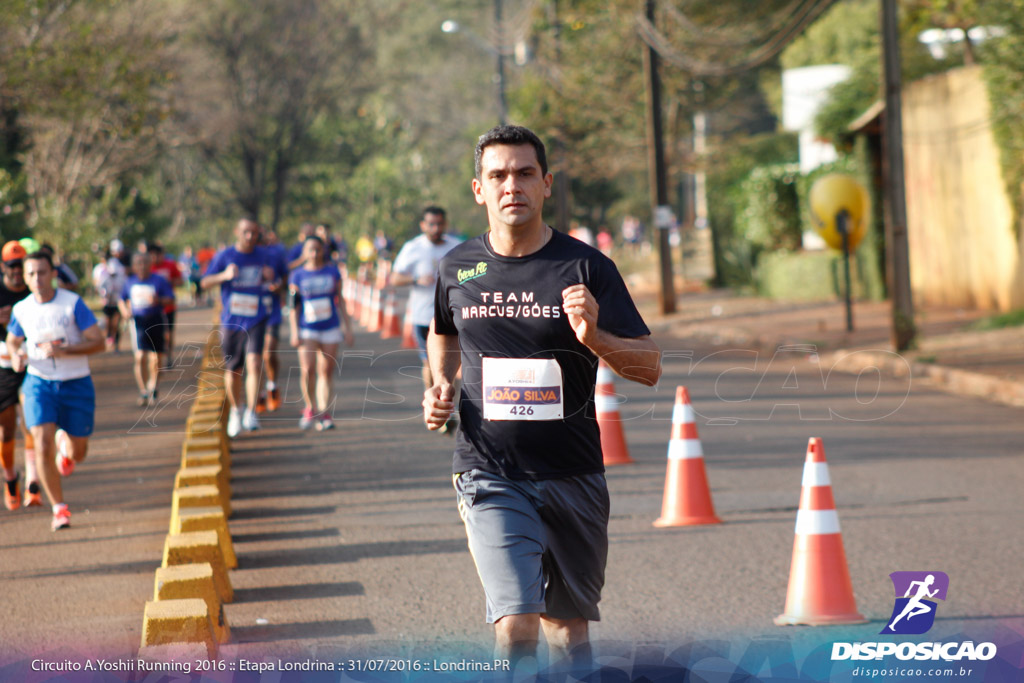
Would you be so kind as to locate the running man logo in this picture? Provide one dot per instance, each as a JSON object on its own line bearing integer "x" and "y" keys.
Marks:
{"x": 914, "y": 613}
{"x": 472, "y": 273}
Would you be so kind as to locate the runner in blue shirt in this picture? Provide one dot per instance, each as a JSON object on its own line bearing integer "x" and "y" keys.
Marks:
{"x": 270, "y": 400}
{"x": 242, "y": 270}
{"x": 143, "y": 301}
{"x": 317, "y": 317}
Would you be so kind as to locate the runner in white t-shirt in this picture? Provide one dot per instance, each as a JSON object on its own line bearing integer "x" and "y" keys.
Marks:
{"x": 416, "y": 265}
{"x": 57, "y": 332}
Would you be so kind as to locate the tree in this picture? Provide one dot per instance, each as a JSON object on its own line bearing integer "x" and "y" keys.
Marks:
{"x": 85, "y": 81}
{"x": 260, "y": 73}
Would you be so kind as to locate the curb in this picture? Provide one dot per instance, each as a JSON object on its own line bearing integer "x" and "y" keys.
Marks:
{"x": 857, "y": 360}
{"x": 192, "y": 583}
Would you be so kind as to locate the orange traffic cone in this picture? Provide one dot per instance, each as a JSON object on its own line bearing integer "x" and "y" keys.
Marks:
{"x": 408, "y": 339}
{"x": 377, "y": 316}
{"x": 687, "y": 498}
{"x": 391, "y": 327}
{"x": 366, "y": 310}
{"x": 820, "y": 591}
{"x": 613, "y": 440}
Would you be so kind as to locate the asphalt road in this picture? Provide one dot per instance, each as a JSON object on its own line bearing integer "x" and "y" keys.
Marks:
{"x": 349, "y": 542}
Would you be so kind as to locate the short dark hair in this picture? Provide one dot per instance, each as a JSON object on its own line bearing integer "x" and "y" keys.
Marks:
{"x": 313, "y": 238}
{"x": 40, "y": 255}
{"x": 436, "y": 210}
{"x": 510, "y": 135}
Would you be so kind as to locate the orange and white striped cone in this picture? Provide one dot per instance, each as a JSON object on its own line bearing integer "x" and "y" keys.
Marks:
{"x": 391, "y": 327}
{"x": 366, "y": 309}
{"x": 820, "y": 591}
{"x": 687, "y": 498}
{"x": 356, "y": 302}
{"x": 408, "y": 337}
{"x": 377, "y": 316}
{"x": 613, "y": 439}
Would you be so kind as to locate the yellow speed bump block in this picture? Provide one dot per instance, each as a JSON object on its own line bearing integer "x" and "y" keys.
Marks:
{"x": 193, "y": 581}
{"x": 194, "y": 547}
{"x": 207, "y": 430}
{"x": 178, "y": 621}
{"x": 206, "y": 475}
{"x": 207, "y": 519}
{"x": 203, "y": 443}
{"x": 204, "y": 459}
{"x": 199, "y": 496}
{"x": 204, "y": 415}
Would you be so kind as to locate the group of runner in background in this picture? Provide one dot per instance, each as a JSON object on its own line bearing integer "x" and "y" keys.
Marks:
{"x": 47, "y": 331}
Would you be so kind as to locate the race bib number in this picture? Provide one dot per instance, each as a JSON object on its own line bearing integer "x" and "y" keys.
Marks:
{"x": 244, "y": 305}
{"x": 142, "y": 296}
{"x": 315, "y": 310}
{"x": 522, "y": 389}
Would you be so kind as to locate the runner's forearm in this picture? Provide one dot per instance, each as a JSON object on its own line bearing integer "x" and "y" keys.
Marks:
{"x": 638, "y": 360}
{"x": 444, "y": 356}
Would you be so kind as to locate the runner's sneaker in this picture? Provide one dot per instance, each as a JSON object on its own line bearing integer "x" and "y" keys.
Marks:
{"x": 273, "y": 399}
{"x": 61, "y": 519}
{"x": 306, "y": 421}
{"x": 234, "y": 423}
{"x": 12, "y": 497}
{"x": 325, "y": 422}
{"x": 152, "y": 398}
{"x": 250, "y": 422}
{"x": 261, "y": 403}
{"x": 65, "y": 464}
{"x": 33, "y": 498}
{"x": 143, "y": 400}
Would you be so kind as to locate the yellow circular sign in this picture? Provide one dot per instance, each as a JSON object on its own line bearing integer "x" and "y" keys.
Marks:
{"x": 830, "y": 196}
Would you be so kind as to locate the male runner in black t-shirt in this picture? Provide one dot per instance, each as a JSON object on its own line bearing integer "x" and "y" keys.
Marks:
{"x": 527, "y": 312}
{"x": 12, "y": 290}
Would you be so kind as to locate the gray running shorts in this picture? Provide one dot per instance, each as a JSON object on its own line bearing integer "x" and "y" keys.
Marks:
{"x": 540, "y": 547}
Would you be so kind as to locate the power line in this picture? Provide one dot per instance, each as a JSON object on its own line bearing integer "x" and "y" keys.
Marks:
{"x": 656, "y": 40}
{"x": 704, "y": 35}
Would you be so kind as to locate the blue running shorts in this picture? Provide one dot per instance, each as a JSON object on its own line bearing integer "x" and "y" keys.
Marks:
{"x": 70, "y": 404}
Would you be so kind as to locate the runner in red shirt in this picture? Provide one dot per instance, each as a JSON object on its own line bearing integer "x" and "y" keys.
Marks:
{"x": 168, "y": 269}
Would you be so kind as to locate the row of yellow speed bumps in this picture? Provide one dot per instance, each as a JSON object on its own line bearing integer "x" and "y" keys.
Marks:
{"x": 186, "y": 619}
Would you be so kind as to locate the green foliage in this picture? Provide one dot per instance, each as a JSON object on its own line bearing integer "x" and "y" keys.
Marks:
{"x": 849, "y": 34}
{"x": 770, "y": 219}
{"x": 1003, "y": 60}
{"x": 730, "y": 163}
{"x": 1001, "y": 321}
{"x": 13, "y": 205}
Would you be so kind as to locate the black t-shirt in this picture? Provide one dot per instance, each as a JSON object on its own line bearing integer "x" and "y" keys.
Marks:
{"x": 9, "y": 298}
{"x": 511, "y": 308}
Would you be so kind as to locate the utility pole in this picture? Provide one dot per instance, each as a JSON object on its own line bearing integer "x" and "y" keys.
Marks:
{"x": 894, "y": 196}
{"x": 562, "y": 186}
{"x": 660, "y": 209}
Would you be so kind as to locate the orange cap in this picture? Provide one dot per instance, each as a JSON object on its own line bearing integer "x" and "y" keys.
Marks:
{"x": 13, "y": 251}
